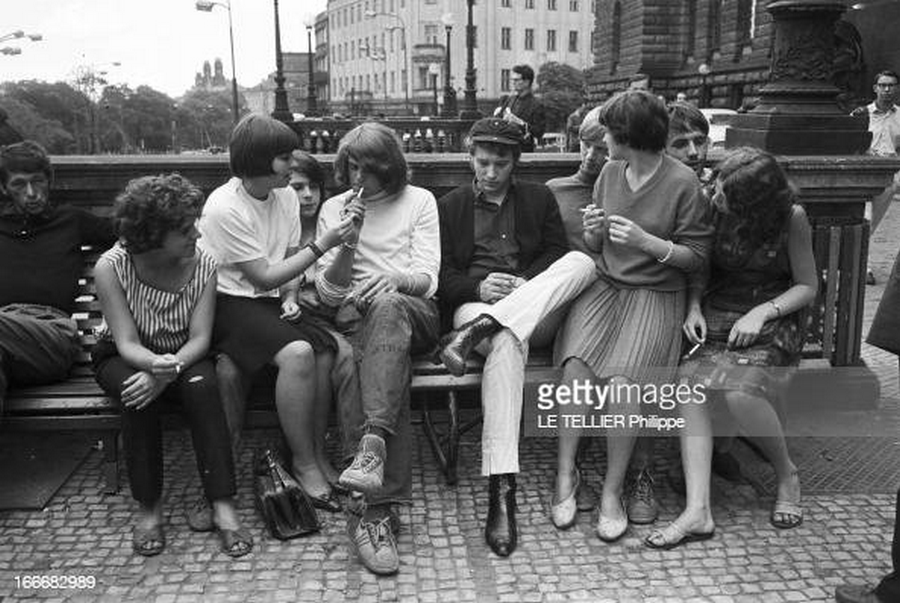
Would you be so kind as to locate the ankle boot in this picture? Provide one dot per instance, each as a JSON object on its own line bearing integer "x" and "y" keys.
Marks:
{"x": 500, "y": 531}
{"x": 457, "y": 345}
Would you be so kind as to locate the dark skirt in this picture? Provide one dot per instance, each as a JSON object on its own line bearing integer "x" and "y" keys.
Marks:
{"x": 251, "y": 331}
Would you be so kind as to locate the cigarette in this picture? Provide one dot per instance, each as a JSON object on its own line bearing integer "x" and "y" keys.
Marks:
{"x": 587, "y": 208}
{"x": 694, "y": 349}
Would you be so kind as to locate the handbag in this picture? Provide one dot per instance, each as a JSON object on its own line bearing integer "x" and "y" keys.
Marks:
{"x": 284, "y": 506}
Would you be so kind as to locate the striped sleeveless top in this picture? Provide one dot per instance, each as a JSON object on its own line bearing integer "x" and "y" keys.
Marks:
{"x": 162, "y": 317}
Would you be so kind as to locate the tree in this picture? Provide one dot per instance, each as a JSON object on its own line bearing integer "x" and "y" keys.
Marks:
{"x": 57, "y": 102}
{"x": 48, "y": 132}
{"x": 562, "y": 91}
{"x": 205, "y": 119}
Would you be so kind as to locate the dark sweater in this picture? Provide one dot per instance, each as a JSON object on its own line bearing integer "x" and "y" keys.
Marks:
{"x": 539, "y": 234}
{"x": 41, "y": 257}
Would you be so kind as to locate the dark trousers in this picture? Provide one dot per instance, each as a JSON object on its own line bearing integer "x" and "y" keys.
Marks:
{"x": 889, "y": 588}
{"x": 196, "y": 391}
{"x": 395, "y": 327}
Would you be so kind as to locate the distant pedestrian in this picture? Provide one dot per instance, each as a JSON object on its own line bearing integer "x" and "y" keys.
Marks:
{"x": 523, "y": 108}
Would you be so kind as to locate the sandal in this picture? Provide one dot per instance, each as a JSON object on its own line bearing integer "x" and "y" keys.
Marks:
{"x": 786, "y": 515}
{"x": 235, "y": 543}
{"x": 673, "y": 535}
{"x": 148, "y": 542}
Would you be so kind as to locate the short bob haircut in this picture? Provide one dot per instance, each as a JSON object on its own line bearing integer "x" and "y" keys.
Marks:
{"x": 26, "y": 156}
{"x": 757, "y": 192}
{"x": 376, "y": 149}
{"x": 638, "y": 119}
{"x": 526, "y": 72}
{"x": 304, "y": 163}
{"x": 685, "y": 117}
{"x": 255, "y": 142}
{"x": 152, "y": 206}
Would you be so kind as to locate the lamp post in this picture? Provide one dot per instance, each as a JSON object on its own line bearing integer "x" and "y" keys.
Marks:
{"x": 282, "y": 112}
{"x": 449, "y": 92}
{"x": 470, "y": 103}
{"x": 207, "y": 6}
{"x": 311, "y": 108}
{"x": 371, "y": 14}
{"x": 703, "y": 70}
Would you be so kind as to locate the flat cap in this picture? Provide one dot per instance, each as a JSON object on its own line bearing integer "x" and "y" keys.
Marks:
{"x": 494, "y": 129}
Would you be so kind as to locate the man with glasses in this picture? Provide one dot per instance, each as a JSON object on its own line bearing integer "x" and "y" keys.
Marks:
{"x": 523, "y": 108}
{"x": 40, "y": 244}
{"x": 884, "y": 124}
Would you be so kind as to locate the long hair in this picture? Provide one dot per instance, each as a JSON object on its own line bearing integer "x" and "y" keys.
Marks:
{"x": 376, "y": 149}
{"x": 757, "y": 193}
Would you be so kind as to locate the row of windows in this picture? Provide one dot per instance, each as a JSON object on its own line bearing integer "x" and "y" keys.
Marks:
{"x": 551, "y": 5}
{"x": 348, "y": 51}
{"x": 364, "y": 82}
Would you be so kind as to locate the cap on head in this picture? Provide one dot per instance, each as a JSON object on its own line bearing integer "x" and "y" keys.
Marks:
{"x": 495, "y": 130}
{"x": 590, "y": 130}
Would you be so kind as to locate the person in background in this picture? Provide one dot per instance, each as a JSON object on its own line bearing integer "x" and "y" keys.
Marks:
{"x": 251, "y": 226}
{"x": 750, "y": 317}
{"x": 573, "y": 122}
{"x": 40, "y": 243}
{"x": 505, "y": 279}
{"x": 884, "y": 124}
{"x": 157, "y": 292}
{"x": 523, "y": 108}
{"x": 382, "y": 288}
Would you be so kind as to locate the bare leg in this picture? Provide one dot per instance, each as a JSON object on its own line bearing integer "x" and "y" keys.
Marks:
{"x": 567, "y": 447}
{"x": 324, "y": 364}
{"x": 756, "y": 416}
{"x": 619, "y": 444}
{"x": 696, "y": 452}
{"x": 295, "y": 398}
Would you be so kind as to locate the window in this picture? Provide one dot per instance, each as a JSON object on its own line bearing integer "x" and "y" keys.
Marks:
{"x": 393, "y": 82}
{"x": 551, "y": 4}
{"x": 505, "y": 37}
{"x": 529, "y": 4}
{"x": 573, "y": 6}
{"x": 430, "y": 1}
{"x": 423, "y": 78}
{"x": 352, "y": 49}
{"x": 352, "y": 17}
{"x": 506, "y": 3}
{"x": 529, "y": 39}
{"x": 392, "y": 42}
{"x": 551, "y": 40}
{"x": 573, "y": 41}
{"x": 616, "y": 37}
{"x": 431, "y": 33}
{"x": 368, "y": 82}
{"x": 504, "y": 80}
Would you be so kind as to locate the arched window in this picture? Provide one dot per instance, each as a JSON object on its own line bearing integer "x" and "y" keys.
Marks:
{"x": 616, "y": 37}
{"x": 691, "y": 30}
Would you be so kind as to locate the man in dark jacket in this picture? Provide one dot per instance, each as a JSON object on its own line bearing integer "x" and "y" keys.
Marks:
{"x": 505, "y": 278}
{"x": 41, "y": 249}
{"x": 523, "y": 108}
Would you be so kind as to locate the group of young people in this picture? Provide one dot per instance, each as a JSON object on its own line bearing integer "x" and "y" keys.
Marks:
{"x": 613, "y": 266}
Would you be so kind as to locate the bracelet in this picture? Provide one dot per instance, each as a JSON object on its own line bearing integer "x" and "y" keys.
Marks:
{"x": 777, "y": 309}
{"x": 346, "y": 245}
{"x": 317, "y": 251}
{"x": 668, "y": 255}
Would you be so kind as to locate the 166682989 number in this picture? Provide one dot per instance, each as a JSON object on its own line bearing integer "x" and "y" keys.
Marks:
{"x": 55, "y": 581}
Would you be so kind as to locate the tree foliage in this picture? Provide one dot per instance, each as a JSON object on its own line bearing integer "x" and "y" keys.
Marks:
{"x": 562, "y": 91}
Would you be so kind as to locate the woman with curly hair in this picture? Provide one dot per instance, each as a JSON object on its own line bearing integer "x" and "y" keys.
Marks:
{"x": 750, "y": 317}
{"x": 157, "y": 292}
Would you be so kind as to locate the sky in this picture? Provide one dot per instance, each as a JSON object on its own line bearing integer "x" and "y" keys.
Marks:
{"x": 159, "y": 43}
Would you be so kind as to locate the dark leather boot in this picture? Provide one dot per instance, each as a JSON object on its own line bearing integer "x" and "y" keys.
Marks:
{"x": 500, "y": 531}
{"x": 457, "y": 345}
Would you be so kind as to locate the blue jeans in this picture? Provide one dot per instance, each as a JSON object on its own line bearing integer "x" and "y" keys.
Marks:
{"x": 395, "y": 327}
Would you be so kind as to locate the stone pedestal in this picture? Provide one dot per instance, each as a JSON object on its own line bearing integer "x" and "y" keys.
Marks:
{"x": 798, "y": 113}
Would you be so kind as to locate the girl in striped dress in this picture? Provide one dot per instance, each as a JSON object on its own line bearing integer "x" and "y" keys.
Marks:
{"x": 157, "y": 292}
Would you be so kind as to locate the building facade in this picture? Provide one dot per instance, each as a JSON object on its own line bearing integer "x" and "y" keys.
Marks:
{"x": 295, "y": 67}
{"x": 716, "y": 51}
{"x": 390, "y": 56}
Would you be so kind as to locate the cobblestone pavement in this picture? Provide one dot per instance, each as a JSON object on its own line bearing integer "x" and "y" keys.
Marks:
{"x": 848, "y": 505}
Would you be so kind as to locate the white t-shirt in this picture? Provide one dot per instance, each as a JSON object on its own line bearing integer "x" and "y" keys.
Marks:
{"x": 235, "y": 227}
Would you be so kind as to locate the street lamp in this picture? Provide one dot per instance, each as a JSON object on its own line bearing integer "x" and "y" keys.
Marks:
{"x": 703, "y": 70}
{"x": 311, "y": 108}
{"x": 207, "y": 6}
{"x": 282, "y": 112}
{"x": 371, "y": 14}
{"x": 380, "y": 54}
{"x": 449, "y": 92}
{"x": 470, "y": 103}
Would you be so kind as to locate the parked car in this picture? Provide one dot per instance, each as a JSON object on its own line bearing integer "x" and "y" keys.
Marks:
{"x": 719, "y": 120}
{"x": 552, "y": 142}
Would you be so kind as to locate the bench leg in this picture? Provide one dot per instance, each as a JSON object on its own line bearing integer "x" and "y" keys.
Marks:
{"x": 446, "y": 458}
{"x": 110, "y": 440}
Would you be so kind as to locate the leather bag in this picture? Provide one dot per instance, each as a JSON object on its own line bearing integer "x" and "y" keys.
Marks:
{"x": 284, "y": 506}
